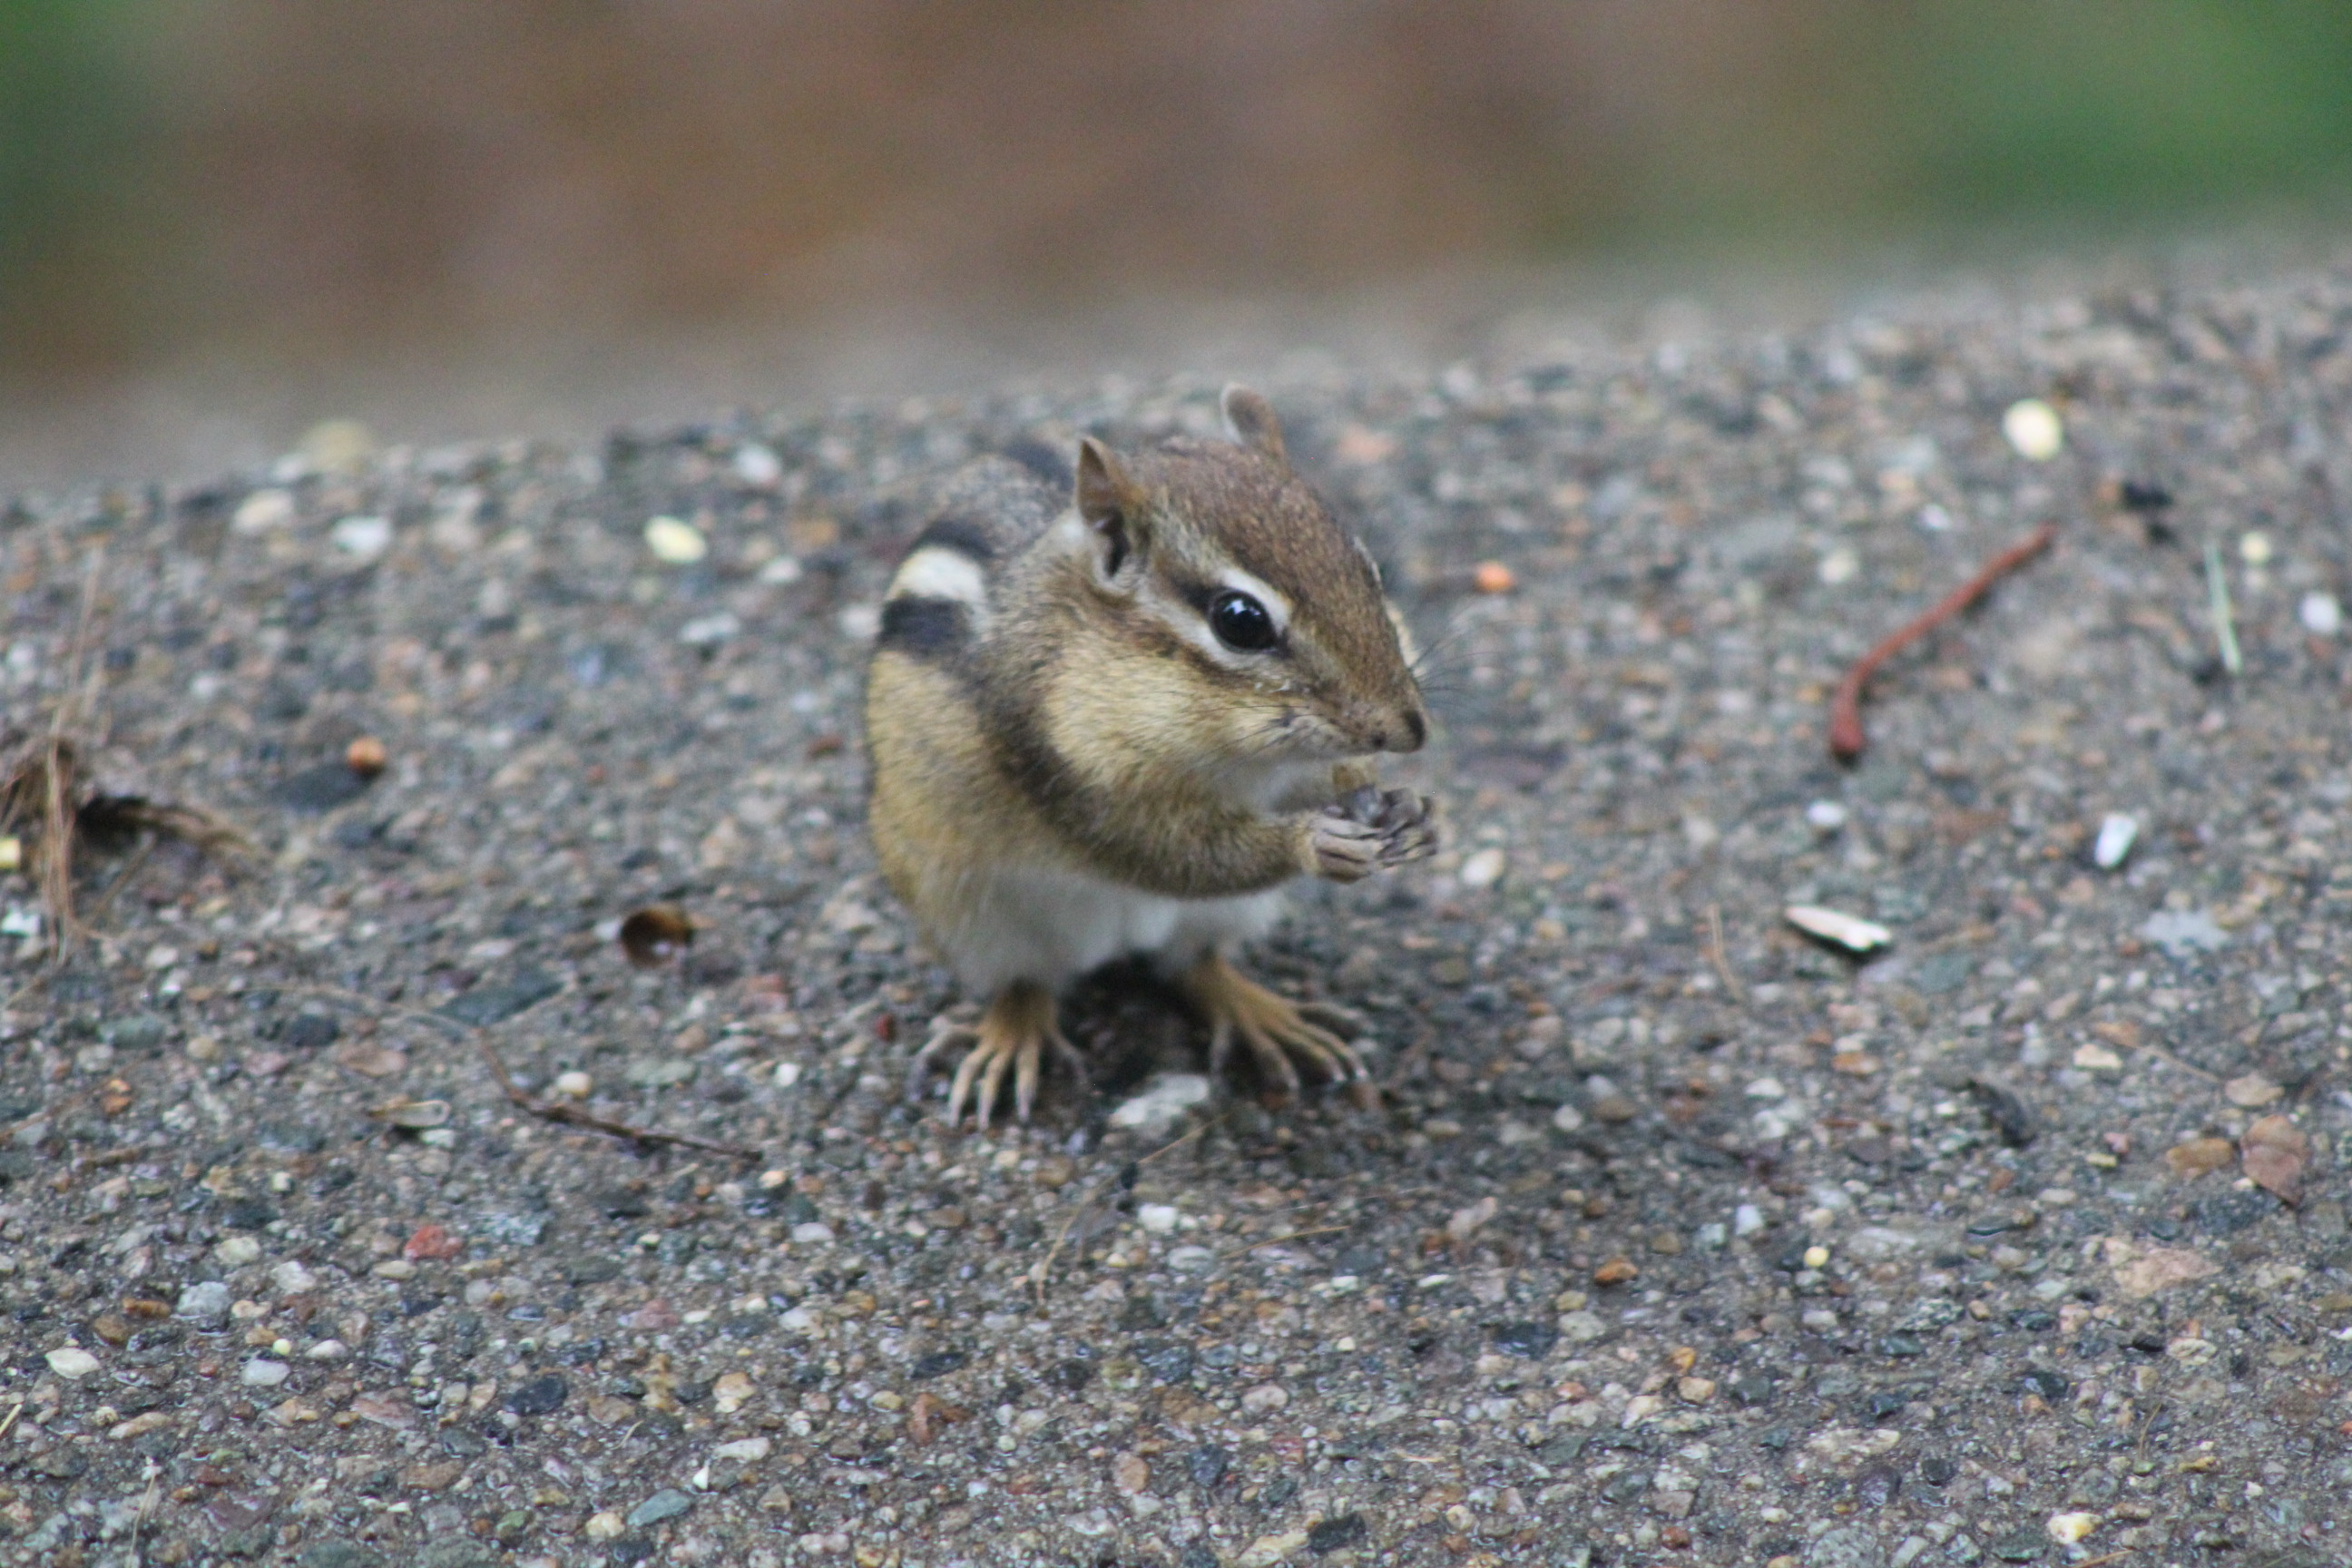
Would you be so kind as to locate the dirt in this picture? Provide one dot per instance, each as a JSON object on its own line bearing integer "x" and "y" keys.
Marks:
{"x": 1677, "y": 1236}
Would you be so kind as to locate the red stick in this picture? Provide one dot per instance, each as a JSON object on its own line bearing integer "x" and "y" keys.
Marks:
{"x": 1847, "y": 740}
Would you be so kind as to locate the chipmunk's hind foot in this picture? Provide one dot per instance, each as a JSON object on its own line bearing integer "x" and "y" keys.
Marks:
{"x": 1280, "y": 1035}
{"x": 1014, "y": 1037}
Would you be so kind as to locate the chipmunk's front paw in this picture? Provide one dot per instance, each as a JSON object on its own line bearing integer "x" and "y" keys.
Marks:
{"x": 1401, "y": 823}
{"x": 1342, "y": 848}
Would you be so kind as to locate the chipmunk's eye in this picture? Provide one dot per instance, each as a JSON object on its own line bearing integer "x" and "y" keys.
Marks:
{"x": 1242, "y": 623}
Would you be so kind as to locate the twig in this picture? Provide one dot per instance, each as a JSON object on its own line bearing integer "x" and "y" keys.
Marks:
{"x": 1280, "y": 1240}
{"x": 14, "y": 1411}
{"x": 2225, "y": 618}
{"x": 1721, "y": 959}
{"x": 545, "y": 1110}
{"x": 1846, "y": 738}
{"x": 2161, "y": 1054}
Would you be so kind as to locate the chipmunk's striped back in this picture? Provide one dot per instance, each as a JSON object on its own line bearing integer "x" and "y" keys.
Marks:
{"x": 942, "y": 598}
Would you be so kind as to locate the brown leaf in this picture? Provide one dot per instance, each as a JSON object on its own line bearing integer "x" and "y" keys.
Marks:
{"x": 2274, "y": 1150}
{"x": 2198, "y": 1155}
{"x": 653, "y": 935}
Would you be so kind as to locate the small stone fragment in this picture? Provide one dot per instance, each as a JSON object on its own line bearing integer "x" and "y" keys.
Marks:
{"x": 1848, "y": 932}
{"x": 1268, "y": 1549}
{"x": 1494, "y": 577}
{"x": 263, "y": 1372}
{"x": 2251, "y": 1091}
{"x": 366, "y": 756}
{"x": 2322, "y": 614}
{"x": 2067, "y": 1529}
{"x": 2161, "y": 1268}
{"x": 237, "y": 1251}
{"x": 1163, "y": 1101}
{"x": 573, "y": 1085}
{"x": 71, "y": 1362}
{"x": 2199, "y": 1155}
{"x": 362, "y": 538}
{"x": 2034, "y": 429}
{"x": 2116, "y": 833}
{"x": 676, "y": 543}
{"x": 666, "y": 1504}
{"x": 1615, "y": 1271}
{"x": 2184, "y": 933}
{"x": 263, "y": 512}
{"x": 1483, "y": 869}
{"x": 604, "y": 1526}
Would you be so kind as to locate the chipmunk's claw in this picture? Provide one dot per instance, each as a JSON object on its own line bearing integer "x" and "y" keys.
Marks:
{"x": 1280, "y": 1035}
{"x": 1012, "y": 1037}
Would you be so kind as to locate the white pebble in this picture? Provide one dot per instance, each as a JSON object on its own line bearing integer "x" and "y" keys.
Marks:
{"x": 678, "y": 543}
{"x": 1826, "y": 815}
{"x": 710, "y": 631}
{"x": 1935, "y": 519}
{"x": 756, "y": 464}
{"x": 1841, "y": 565}
{"x": 1483, "y": 869}
{"x": 1848, "y": 932}
{"x": 1163, "y": 1102}
{"x": 1568, "y": 1119}
{"x": 2254, "y": 549}
{"x": 782, "y": 569}
{"x": 2116, "y": 832}
{"x": 2034, "y": 428}
{"x": 362, "y": 538}
{"x": 292, "y": 1279}
{"x": 263, "y": 1372}
{"x": 2069, "y": 1528}
{"x": 2322, "y": 614}
{"x": 1766, "y": 1088}
{"x": 237, "y": 1251}
{"x": 1747, "y": 1220}
{"x": 859, "y": 623}
{"x": 810, "y": 1232}
{"x": 70, "y": 1362}
{"x": 787, "y": 1074}
{"x": 574, "y": 1085}
{"x": 1157, "y": 1218}
{"x": 263, "y": 512}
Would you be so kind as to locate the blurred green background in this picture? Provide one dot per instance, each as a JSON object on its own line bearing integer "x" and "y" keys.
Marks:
{"x": 309, "y": 178}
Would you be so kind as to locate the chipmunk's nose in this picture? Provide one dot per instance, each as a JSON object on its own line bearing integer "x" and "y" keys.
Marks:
{"x": 1404, "y": 730}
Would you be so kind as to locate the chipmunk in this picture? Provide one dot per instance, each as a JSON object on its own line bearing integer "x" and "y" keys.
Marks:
{"x": 1116, "y": 722}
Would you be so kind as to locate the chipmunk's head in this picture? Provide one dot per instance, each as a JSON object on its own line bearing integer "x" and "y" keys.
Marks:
{"x": 1261, "y": 614}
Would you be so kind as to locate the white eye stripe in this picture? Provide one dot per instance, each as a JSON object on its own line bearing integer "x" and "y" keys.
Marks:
{"x": 937, "y": 572}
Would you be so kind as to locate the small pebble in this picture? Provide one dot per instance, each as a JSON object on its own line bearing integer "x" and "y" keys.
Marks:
{"x": 1842, "y": 564}
{"x": 1848, "y": 932}
{"x": 71, "y": 1362}
{"x": 676, "y": 543}
{"x": 2251, "y": 1091}
{"x": 263, "y": 512}
{"x": 666, "y": 1504}
{"x": 2254, "y": 548}
{"x": 574, "y": 1085}
{"x": 237, "y": 1251}
{"x": 366, "y": 756}
{"x": 1163, "y": 1102}
{"x": 263, "y": 1372}
{"x": 292, "y": 1278}
{"x": 604, "y": 1526}
{"x": 1157, "y": 1218}
{"x": 362, "y": 538}
{"x": 1568, "y": 1119}
{"x": 2067, "y": 1529}
{"x": 2322, "y": 614}
{"x": 2097, "y": 1059}
{"x": 328, "y": 1349}
{"x": 1494, "y": 577}
{"x": 756, "y": 464}
{"x": 1747, "y": 1220}
{"x": 1816, "y": 1256}
{"x": 2116, "y": 833}
{"x": 2034, "y": 428}
{"x": 1483, "y": 869}
{"x": 1827, "y": 815}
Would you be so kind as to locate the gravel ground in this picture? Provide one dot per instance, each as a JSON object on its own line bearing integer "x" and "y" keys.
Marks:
{"x": 1678, "y": 1238}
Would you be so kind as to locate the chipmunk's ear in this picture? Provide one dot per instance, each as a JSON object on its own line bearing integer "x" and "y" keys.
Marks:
{"x": 1251, "y": 418}
{"x": 1111, "y": 504}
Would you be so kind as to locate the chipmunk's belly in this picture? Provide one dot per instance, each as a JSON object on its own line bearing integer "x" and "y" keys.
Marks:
{"x": 1052, "y": 927}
